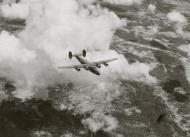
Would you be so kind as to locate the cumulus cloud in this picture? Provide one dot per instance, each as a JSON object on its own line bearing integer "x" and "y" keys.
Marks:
{"x": 14, "y": 58}
{"x": 14, "y": 11}
{"x": 153, "y": 29}
{"x": 12, "y": 50}
{"x": 151, "y": 8}
{"x": 177, "y": 17}
{"x": 100, "y": 121}
{"x": 186, "y": 48}
{"x": 54, "y": 27}
{"x": 124, "y": 2}
{"x": 181, "y": 21}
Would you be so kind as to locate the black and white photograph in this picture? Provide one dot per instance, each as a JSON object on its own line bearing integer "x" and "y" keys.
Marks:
{"x": 94, "y": 68}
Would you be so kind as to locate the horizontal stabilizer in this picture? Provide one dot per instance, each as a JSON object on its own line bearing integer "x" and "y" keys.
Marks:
{"x": 80, "y": 54}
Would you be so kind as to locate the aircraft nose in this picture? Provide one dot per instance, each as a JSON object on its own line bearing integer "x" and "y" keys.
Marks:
{"x": 98, "y": 73}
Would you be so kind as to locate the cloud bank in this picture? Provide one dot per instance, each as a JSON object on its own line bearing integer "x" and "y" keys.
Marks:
{"x": 180, "y": 22}
{"x": 177, "y": 17}
{"x": 186, "y": 48}
{"x": 151, "y": 9}
{"x": 14, "y": 11}
{"x": 54, "y": 27}
{"x": 125, "y": 2}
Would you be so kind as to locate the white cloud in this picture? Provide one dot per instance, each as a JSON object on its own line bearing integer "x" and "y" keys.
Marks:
{"x": 12, "y": 50}
{"x": 151, "y": 8}
{"x": 181, "y": 21}
{"x": 124, "y": 2}
{"x": 100, "y": 121}
{"x": 177, "y": 17}
{"x": 55, "y": 27}
{"x": 15, "y": 11}
{"x": 186, "y": 48}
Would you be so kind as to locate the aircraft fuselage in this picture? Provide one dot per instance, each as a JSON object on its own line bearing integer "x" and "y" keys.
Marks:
{"x": 92, "y": 69}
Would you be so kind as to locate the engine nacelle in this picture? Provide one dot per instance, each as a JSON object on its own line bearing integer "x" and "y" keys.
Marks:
{"x": 84, "y": 53}
{"x": 105, "y": 64}
{"x": 97, "y": 65}
{"x": 70, "y": 55}
{"x": 85, "y": 67}
{"x": 78, "y": 69}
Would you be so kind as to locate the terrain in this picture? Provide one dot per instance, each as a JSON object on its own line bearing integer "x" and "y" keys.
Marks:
{"x": 160, "y": 109}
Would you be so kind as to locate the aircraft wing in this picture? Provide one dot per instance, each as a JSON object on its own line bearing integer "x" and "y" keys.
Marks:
{"x": 87, "y": 65}
{"x": 74, "y": 66}
{"x": 102, "y": 62}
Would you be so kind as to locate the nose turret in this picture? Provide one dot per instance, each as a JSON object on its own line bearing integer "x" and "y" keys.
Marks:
{"x": 95, "y": 71}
